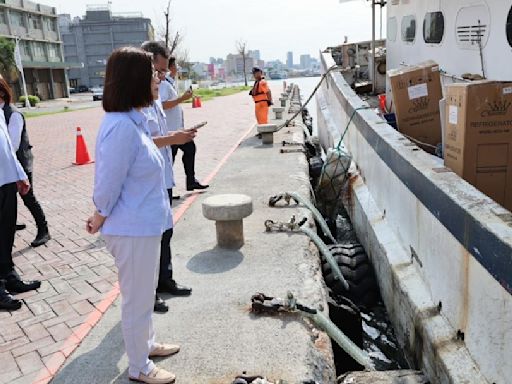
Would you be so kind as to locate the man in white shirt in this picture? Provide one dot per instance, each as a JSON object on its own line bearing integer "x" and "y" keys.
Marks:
{"x": 166, "y": 282}
{"x": 174, "y": 114}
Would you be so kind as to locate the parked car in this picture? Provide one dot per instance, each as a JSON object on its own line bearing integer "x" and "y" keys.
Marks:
{"x": 72, "y": 90}
{"x": 83, "y": 88}
{"x": 97, "y": 93}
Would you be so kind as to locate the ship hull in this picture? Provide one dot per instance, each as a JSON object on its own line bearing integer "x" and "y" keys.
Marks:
{"x": 442, "y": 251}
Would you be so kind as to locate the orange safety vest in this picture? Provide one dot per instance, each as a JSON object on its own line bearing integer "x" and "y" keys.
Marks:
{"x": 256, "y": 93}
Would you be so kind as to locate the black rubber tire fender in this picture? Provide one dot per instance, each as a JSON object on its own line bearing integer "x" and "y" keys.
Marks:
{"x": 352, "y": 275}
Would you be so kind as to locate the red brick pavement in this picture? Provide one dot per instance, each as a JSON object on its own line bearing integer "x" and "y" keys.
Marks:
{"x": 79, "y": 276}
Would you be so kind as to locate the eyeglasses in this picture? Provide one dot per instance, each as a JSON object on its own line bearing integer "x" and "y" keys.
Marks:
{"x": 157, "y": 74}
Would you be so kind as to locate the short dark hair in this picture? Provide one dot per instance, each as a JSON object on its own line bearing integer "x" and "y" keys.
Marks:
{"x": 128, "y": 80}
{"x": 5, "y": 91}
{"x": 172, "y": 61}
{"x": 156, "y": 48}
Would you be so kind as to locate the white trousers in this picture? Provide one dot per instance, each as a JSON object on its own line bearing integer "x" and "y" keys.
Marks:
{"x": 137, "y": 259}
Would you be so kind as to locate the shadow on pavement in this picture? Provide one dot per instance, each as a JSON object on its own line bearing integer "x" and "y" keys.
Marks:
{"x": 100, "y": 365}
{"x": 216, "y": 260}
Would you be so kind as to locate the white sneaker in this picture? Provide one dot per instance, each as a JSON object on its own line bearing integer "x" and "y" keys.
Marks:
{"x": 156, "y": 376}
{"x": 161, "y": 350}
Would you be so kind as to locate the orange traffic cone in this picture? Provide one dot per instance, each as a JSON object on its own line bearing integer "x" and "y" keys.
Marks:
{"x": 82, "y": 154}
{"x": 198, "y": 102}
{"x": 194, "y": 102}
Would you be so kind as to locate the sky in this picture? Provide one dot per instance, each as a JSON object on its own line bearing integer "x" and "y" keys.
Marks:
{"x": 211, "y": 28}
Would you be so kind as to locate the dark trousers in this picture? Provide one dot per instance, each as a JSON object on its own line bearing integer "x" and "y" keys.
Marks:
{"x": 189, "y": 159}
{"x": 34, "y": 207}
{"x": 165, "y": 251}
{"x": 8, "y": 213}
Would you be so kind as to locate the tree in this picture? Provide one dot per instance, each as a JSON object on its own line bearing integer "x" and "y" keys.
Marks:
{"x": 241, "y": 47}
{"x": 171, "y": 42}
{"x": 7, "y": 63}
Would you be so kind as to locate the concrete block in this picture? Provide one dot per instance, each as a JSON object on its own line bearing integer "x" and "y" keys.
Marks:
{"x": 279, "y": 112}
{"x": 267, "y": 132}
{"x": 228, "y": 212}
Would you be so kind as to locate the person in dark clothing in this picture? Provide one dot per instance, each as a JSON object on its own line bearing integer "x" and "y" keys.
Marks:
{"x": 16, "y": 127}
{"x": 158, "y": 127}
{"x": 12, "y": 179}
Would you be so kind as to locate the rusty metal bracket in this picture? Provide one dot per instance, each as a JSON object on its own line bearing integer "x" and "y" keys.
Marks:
{"x": 281, "y": 196}
{"x": 290, "y": 226}
{"x": 291, "y": 143}
{"x": 294, "y": 150}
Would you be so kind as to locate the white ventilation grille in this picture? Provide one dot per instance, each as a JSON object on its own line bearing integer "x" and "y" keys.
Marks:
{"x": 472, "y": 27}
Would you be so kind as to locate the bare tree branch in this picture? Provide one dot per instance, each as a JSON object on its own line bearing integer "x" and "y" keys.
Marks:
{"x": 171, "y": 41}
{"x": 167, "y": 21}
{"x": 241, "y": 47}
{"x": 177, "y": 39}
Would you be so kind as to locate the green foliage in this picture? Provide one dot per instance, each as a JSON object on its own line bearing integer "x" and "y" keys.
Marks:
{"x": 33, "y": 100}
{"x": 7, "y": 63}
{"x": 207, "y": 94}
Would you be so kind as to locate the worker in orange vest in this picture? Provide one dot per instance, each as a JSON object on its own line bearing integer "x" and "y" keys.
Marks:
{"x": 261, "y": 95}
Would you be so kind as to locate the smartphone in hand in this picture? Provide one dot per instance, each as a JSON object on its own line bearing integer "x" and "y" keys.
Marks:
{"x": 197, "y": 126}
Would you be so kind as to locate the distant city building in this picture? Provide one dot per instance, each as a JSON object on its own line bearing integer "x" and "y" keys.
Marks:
{"x": 212, "y": 71}
{"x": 305, "y": 61}
{"x": 289, "y": 60}
{"x": 40, "y": 47}
{"x": 255, "y": 54}
{"x": 218, "y": 60}
{"x": 200, "y": 70}
{"x": 275, "y": 65}
{"x": 90, "y": 40}
{"x": 234, "y": 64}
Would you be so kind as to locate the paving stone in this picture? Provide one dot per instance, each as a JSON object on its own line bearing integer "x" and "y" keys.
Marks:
{"x": 10, "y": 345}
{"x": 10, "y": 370}
{"x": 60, "y": 331}
{"x": 83, "y": 307}
{"x": 10, "y": 331}
{"x": 33, "y": 346}
{"x": 29, "y": 362}
{"x": 35, "y": 332}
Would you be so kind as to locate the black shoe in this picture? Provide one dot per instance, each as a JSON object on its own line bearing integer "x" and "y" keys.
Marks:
{"x": 42, "y": 238}
{"x": 176, "y": 197}
{"x": 172, "y": 288}
{"x": 7, "y": 301}
{"x": 160, "y": 305}
{"x": 20, "y": 227}
{"x": 196, "y": 185}
{"x": 14, "y": 284}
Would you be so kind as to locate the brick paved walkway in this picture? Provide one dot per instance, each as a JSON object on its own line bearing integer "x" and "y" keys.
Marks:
{"x": 79, "y": 277}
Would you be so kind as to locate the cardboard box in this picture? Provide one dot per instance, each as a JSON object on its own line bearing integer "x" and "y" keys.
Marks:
{"x": 478, "y": 136}
{"x": 416, "y": 93}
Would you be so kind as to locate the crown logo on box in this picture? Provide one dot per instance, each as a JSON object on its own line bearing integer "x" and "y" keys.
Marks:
{"x": 419, "y": 104}
{"x": 497, "y": 108}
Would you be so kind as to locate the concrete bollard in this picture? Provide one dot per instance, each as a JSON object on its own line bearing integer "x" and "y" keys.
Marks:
{"x": 267, "y": 132}
{"x": 228, "y": 212}
{"x": 279, "y": 112}
{"x": 283, "y": 102}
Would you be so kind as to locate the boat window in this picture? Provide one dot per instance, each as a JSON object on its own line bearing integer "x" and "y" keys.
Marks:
{"x": 433, "y": 27}
{"x": 392, "y": 28}
{"x": 409, "y": 28}
{"x": 509, "y": 27}
{"x": 472, "y": 26}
